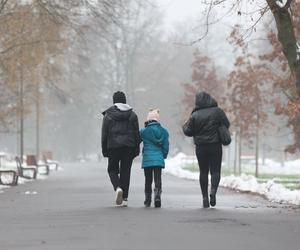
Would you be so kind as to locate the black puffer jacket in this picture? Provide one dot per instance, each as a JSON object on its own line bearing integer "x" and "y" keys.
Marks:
{"x": 120, "y": 128}
{"x": 205, "y": 120}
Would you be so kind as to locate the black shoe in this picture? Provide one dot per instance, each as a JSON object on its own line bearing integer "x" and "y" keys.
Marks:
{"x": 157, "y": 199}
{"x": 147, "y": 201}
{"x": 205, "y": 202}
{"x": 212, "y": 200}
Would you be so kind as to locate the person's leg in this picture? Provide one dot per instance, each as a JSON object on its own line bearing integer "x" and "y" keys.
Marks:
{"x": 125, "y": 170}
{"x": 203, "y": 163}
{"x": 113, "y": 168}
{"x": 157, "y": 190}
{"x": 148, "y": 171}
{"x": 157, "y": 177}
{"x": 113, "y": 171}
{"x": 215, "y": 157}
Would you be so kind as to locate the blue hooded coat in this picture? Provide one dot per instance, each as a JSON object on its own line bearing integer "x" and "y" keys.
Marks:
{"x": 156, "y": 144}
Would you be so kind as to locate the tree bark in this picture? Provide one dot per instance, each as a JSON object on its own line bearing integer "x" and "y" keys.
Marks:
{"x": 240, "y": 154}
{"x": 38, "y": 120}
{"x": 235, "y": 154}
{"x": 257, "y": 153}
{"x": 21, "y": 100}
{"x": 286, "y": 36}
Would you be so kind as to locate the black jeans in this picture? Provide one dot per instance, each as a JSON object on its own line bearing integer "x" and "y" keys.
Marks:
{"x": 119, "y": 168}
{"x": 210, "y": 160}
{"x": 149, "y": 172}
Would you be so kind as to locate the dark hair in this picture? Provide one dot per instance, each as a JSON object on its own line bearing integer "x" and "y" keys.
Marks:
{"x": 119, "y": 97}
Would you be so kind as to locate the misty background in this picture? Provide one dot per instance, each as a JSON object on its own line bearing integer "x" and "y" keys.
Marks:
{"x": 146, "y": 50}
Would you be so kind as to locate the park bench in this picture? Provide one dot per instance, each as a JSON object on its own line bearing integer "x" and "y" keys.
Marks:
{"x": 7, "y": 176}
{"x": 50, "y": 162}
{"x": 25, "y": 172}
{"x": 42, "y": 168}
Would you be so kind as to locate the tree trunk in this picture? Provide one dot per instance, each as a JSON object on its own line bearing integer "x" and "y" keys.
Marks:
{"x": 21, "y": 113}
{"x": 263, "y": 153}
{"x": 256, "y": 152}
{"x": 286, "y": 36}
{"x": 37, "y": 120}
{"x": 235, "y": 154}
{"x": 240, "y": 155}
{"x": 228, "y": 157}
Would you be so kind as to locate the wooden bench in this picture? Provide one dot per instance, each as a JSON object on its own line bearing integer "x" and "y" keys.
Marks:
{"x": 7, "y": 176}
{"x": 32, "y": 161}
{"x": 50, "y": 162}
{"x": 25, "y": 172}
{"x": 13, "y": 176}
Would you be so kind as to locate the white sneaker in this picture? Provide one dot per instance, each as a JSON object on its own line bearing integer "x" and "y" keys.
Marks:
{"x": 125, "y": 203}
{"x": 119, "y": 196}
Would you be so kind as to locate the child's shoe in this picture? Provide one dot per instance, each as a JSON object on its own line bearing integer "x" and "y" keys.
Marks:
{"x": 148, "y": 198}
{"x": 157, "y": 199}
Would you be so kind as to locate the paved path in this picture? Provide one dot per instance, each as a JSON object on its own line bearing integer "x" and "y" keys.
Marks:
{"x": 73, "y": 210}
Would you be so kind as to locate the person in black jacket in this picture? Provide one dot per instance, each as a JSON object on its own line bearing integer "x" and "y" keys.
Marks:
{"x": 120, "y": 141}
{"x": 203, "y": 127}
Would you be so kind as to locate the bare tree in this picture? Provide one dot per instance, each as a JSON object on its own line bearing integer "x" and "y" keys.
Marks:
{"x": 282, "y": 11}
{"x": 34, "y": 33}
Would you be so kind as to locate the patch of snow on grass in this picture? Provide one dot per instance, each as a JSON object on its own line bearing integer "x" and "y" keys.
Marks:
{"x": 246, "y": 183}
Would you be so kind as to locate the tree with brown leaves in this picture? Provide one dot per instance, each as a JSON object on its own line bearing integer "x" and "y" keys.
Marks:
{"x": 284, "y": 13}
{"x": 204, "y": 78}
{"x": 249, "y": 86}
{"x": 276, "y": 62}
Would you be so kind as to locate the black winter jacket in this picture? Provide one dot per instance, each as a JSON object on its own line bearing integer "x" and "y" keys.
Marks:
{"x": 205, "y": 120}
{"x": 120, "y": 128}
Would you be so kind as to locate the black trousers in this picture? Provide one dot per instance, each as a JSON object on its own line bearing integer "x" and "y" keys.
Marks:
{"x": 119, "y": 168}
{"x": 210, "y": 160}
{"x": 149, "y": 172}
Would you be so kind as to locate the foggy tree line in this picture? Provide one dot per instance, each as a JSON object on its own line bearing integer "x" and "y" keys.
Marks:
{"x": 58, "y": 74}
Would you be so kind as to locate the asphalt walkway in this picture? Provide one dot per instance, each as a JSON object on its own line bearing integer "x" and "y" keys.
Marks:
{"x": 73, "y": 210}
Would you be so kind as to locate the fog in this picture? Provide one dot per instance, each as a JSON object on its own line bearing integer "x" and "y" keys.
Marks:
{"x": 147, "y": 51}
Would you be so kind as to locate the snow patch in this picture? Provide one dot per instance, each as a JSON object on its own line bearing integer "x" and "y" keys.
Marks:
{"x": 174, "y": 166}
{"x": 281, "y": 3}
{"x": 31, "y": 192}
{"x": 298, "y": 51}
{"x": 272, "y": 191}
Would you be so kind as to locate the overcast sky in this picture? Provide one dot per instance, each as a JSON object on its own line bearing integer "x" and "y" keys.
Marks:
{"x": 215, "y": 43}
{"x": 191, "y": 11}
{"x": 179, "y": 10}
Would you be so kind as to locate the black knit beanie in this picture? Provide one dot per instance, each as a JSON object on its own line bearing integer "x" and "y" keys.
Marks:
{"x": 119, "y": 97}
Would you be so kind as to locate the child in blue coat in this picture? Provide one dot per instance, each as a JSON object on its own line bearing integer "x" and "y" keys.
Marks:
{"x": 156, "y": 147}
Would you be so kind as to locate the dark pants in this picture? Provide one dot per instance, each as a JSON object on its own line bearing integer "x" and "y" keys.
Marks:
{"x": 209, "y": 159}
{"x": 119, "y": 168}
{"x": 149, "y": 172}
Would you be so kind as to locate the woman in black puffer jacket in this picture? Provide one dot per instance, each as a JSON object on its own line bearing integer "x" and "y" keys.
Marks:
{"x": 203, "y": 127}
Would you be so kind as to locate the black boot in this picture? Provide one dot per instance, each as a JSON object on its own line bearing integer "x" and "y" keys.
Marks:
{"x": 212, "y": 200}
{"x": 213, "y": 197}
{"x": 148, "y": 198}
{"x": 157, "y": 200}
{"x": 205, "y": 202}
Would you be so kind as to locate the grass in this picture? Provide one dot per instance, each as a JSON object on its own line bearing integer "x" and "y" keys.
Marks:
{"x": 291, "y": 181}
{"x": 192, "y": 168}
